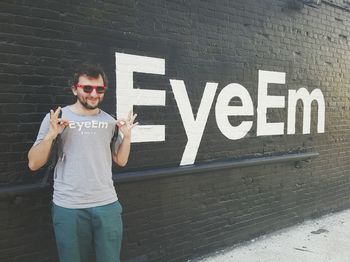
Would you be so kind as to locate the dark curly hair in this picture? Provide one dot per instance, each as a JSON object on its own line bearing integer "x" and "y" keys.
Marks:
{"x": 90, "y": 70}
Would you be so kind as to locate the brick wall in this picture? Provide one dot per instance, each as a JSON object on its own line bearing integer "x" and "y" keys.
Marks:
{"x": 182, "y": 217}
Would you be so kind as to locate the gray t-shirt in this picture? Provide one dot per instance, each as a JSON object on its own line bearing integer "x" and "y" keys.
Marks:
{"x": 83, "y": 174}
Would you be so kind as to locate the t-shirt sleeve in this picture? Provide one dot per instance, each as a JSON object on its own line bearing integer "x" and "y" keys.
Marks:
{"x": 44, "y": 129}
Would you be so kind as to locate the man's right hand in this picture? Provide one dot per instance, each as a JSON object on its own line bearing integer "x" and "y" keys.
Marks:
{"x": 56, "y": 124}
{"x": 39, "y": 154}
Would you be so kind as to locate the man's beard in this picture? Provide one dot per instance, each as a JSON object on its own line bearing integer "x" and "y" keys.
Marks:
{"x": 84, "y": 103}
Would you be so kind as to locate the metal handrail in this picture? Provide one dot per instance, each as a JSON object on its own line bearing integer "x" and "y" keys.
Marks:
{"x": 132, "y": 176}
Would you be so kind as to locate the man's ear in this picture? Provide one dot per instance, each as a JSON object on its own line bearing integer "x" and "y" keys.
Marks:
{"x": 74, "y": 90}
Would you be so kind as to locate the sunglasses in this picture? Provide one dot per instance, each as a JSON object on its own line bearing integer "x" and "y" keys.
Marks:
{"x": 88, "y": 88}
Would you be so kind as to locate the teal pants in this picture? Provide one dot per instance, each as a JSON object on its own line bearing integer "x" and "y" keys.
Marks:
{"x": 79, "y": 231}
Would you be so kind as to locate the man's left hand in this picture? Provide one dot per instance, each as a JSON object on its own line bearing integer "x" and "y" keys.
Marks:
{"x": 126, "y": 124}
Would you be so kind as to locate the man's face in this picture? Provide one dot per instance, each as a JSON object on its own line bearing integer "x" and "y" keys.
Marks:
{"x": 89, "y": 100}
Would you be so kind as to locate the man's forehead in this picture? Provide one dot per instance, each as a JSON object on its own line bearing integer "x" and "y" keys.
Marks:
{"x": 86, "y": 78}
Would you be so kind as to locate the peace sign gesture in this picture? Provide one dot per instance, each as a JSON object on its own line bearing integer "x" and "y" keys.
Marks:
{"x": 125, "y": 125}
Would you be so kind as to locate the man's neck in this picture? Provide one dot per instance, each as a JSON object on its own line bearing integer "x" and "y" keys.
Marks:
{"x": 81, "y": 110}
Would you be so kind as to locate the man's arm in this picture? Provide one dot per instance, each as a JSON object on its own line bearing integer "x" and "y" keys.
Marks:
{"x": 121, "y": 153}
{"x": 39, "y": 154}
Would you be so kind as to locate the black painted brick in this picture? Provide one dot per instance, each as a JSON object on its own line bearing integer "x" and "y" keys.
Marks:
{"x": 179, "y": 218}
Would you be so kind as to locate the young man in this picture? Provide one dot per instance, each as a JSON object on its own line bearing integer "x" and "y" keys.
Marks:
{"x": 85, "y": 211}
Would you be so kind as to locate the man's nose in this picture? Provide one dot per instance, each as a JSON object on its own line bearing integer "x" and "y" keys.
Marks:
{"x": 94, "y": 93}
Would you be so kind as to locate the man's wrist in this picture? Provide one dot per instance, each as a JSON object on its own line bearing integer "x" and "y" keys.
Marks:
{"x": 127, "y": 138}
{"x": 49, "y": 137}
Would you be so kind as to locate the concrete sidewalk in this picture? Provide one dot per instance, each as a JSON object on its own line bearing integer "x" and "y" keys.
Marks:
{"x": 319, "y": 240}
